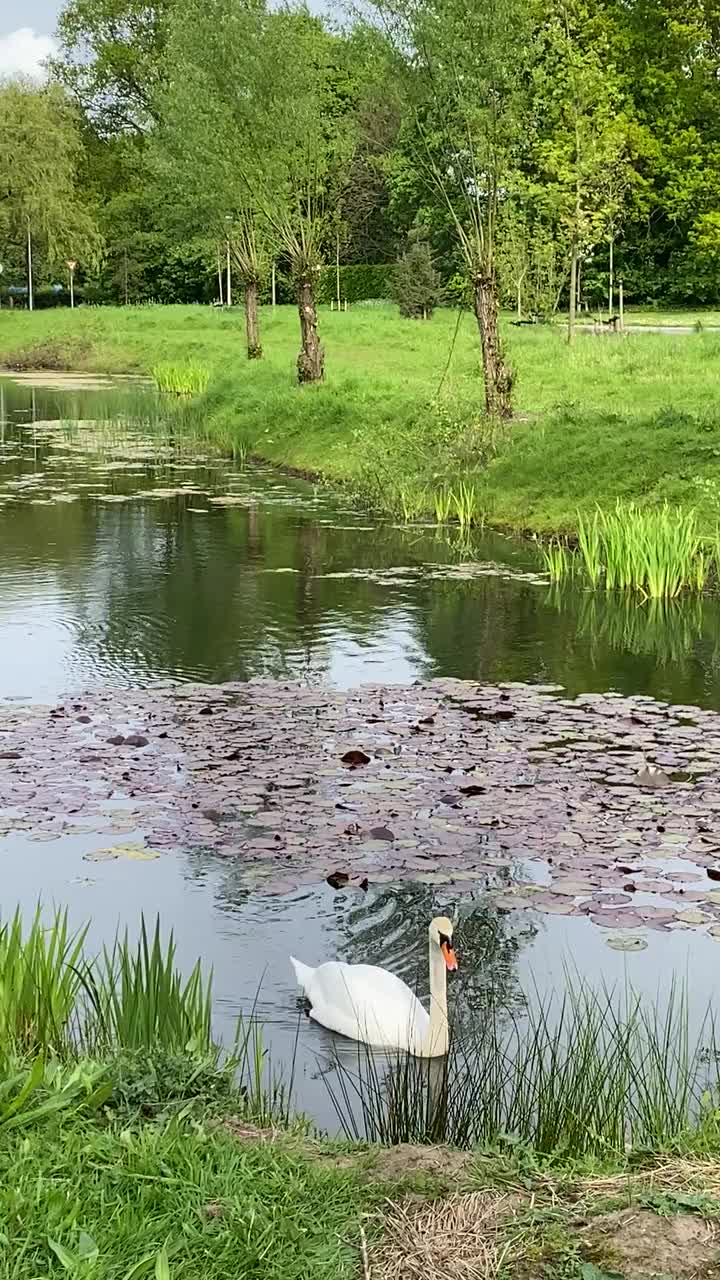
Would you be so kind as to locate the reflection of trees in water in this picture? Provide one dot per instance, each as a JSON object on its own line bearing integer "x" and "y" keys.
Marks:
{"x": 389, "y": 927}
{"x": 491, "y": 629}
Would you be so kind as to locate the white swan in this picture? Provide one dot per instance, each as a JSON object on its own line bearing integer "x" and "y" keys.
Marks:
{"x": 367, "y": 1003}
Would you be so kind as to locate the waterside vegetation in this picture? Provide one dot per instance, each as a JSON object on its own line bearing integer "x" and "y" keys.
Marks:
{"x": 400, "y": 420}
{"x": 125, "y": 1152}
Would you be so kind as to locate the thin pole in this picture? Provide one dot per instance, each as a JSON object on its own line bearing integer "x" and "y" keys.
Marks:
{"x": 274, "y": 291}
{"x": 220, "y": 275}
{"x": 611, "y": 282}
{"x": 621, "y": 303}
{"x": 337, "y": 267}
{"x": 29, "y": 269}
{"x": 228, "y": 288}
{"x": 126, "y": 275}
{"x": 72, "y": 288}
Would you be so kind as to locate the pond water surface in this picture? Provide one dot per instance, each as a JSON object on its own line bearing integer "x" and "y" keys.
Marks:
{"x": 130, "y": 557}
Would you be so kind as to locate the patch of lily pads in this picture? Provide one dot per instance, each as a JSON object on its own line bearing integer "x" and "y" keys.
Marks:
{"x": 600, "y": 808}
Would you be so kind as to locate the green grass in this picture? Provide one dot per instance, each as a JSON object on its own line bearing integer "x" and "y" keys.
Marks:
{"x": 215, "y": 1206}
{"x": 634, "y": 418}
{"x": 656, "y": 552}
{"x": 593, "y": 1074}
{"x": 181, "y": 379}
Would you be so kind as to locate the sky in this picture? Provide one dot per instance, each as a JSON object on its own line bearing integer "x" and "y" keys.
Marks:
{"x": 26, "y": 28}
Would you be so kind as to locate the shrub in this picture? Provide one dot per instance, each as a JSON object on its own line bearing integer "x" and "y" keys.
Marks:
{"x": 358, "y": 282}
{"x": 416, "y": 284}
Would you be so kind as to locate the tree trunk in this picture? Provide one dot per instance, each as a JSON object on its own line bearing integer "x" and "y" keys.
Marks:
{"x": 311, "y": 360}
{"x": 497, "y": 374}
{"x": 611, "y": 281}
{"x": 573, "y": 292}
{"x": 252, "y": 327}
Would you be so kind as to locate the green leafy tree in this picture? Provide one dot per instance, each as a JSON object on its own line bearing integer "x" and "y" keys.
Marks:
{"x": 584, "y": 130}
{"x": 258, "y": 148}
{"x": 111, "y": 60}
{"x": 466, "y": 80}
{"x": 40, "y": 157}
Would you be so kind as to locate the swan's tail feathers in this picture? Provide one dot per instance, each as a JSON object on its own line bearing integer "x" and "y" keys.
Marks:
{"x": 303, "y": 973}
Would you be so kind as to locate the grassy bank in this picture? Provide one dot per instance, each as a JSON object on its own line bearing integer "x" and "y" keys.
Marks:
{"x": 130, "y": 1147}
{"x": 400, "y": 416}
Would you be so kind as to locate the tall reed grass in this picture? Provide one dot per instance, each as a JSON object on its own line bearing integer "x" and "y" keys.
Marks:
{"x": 657, "y": 552}
{"x": 591, "y": 1075}
{"x": 182, "y": 379}
{"x": 62, "y": 1013}
{"x": 54, "y": 1000}
{"x": 558, "y": 559}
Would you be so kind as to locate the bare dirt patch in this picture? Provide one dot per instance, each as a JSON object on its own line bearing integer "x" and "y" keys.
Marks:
{"x": 638, "y": 1244}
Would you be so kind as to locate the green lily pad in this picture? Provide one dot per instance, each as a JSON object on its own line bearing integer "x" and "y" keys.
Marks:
{"x": 619, "y": 942}
{"x": 135, "y": 852}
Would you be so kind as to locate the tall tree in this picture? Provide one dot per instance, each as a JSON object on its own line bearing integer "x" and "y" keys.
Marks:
{"x": 110, "y": 60}
{"x": 466, "y": 73}
{"x": 583, "y": 135}
{"x": 40, "y": 156}
{"x": 251, "y": 115}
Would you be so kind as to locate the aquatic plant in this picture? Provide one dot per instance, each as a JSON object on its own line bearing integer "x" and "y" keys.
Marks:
{"x": 656, "y": 551}
{"x": 558, "y": 560}
{"x": 465, "y": 505}
{"x": 183, "y": 379}
{"x": 590, "y": 1075}
{"x": 42, "y": 975}
{"x": 443, "y": 504}
{"x": 136, "y": 997}
{"x": 412, "y": 501}
{"x": 589, "y": 544}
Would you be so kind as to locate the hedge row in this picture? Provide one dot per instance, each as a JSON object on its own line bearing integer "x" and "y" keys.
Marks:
{"x": 357, "y": 282}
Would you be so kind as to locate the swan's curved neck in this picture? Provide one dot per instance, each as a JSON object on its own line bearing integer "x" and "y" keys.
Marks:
{"x": 438, "y": 1036}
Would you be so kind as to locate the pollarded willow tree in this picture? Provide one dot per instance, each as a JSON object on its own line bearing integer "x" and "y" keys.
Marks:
{"x": 466, "y": 74}
{"x": 250, "y": 120}
{"x": 40, "y": 157}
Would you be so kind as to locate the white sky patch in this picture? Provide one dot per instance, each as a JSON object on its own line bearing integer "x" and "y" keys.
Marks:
{"x": 23, "y": 52}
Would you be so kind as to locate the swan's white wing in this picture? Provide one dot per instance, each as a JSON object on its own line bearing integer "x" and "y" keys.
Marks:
{"x": 367, "y": 1003}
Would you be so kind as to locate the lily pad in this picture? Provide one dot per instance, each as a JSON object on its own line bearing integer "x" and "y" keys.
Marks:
{"x": 622, "y": 943}
{"x": 135, "y": 852}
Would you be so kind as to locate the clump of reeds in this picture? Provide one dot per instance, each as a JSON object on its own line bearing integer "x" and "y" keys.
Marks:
{"x": 592, "y": 1074}
{"x": 186, "y": 379}
{"x": 657, "y": 552}
{"x": 465, "y": 505}
{"x": 59, "y": 1008}
{"x": 558, "y": 559}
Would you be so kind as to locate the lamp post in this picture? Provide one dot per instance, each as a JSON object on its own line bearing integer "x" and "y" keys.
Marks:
{"x": 31, "y": 302}
{"x": 228, "y": 287}
{"x": 71, "y": 265}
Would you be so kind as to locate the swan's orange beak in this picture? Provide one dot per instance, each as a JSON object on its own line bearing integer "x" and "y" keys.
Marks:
{"x": 448, "y": 951}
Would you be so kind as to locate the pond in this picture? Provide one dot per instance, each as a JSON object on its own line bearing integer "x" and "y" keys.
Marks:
{"x": 137, "y": 564}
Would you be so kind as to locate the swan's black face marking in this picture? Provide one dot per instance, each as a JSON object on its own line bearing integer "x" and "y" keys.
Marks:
{"x": 444, "y": 939}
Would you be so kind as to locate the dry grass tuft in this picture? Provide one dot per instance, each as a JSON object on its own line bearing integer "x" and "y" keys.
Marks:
{"x": 456, "y": 1239}
{"x": 678, "y": 1175}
